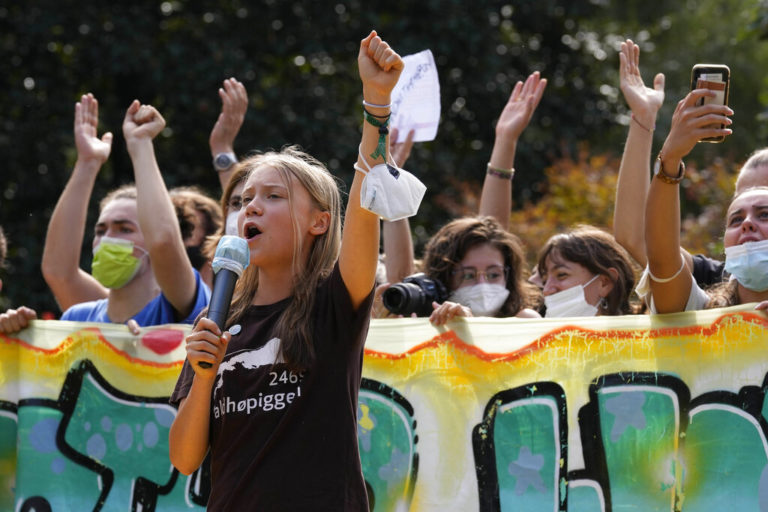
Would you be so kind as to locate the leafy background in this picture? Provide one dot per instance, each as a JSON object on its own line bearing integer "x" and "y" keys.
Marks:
{"x": 297, "y": 61}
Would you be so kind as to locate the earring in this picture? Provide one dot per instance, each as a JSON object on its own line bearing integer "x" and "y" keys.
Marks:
{"x": 603, "y": 304}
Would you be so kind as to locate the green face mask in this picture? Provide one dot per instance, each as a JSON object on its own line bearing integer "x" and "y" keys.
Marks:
{"x": 114, "y": 264}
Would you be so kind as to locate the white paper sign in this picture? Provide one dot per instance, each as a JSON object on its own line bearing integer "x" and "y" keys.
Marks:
{"x": 416, "y": 99}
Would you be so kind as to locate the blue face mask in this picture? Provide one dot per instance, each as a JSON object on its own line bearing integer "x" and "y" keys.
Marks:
{"x": 748, "y": 264}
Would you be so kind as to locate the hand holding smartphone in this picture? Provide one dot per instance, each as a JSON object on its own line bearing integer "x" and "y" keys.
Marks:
{"x": 715, "y": 77}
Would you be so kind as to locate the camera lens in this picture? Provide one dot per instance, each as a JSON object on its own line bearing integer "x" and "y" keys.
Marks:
{"x": 401, "y": 298}
{"x": 393, "y": 299}
{"x": 414, "y": 295}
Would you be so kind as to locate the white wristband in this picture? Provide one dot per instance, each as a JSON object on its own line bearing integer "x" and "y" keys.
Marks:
{"x": 668, "y": 279}
{"x": 373, "y": 105}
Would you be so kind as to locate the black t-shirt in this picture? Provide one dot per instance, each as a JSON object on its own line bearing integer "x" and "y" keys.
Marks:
{"x": 707, "y": 271}
{"x": 281, "y": 439}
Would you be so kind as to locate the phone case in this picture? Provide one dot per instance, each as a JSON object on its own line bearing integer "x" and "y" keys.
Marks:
{"x": 716, "y": 77}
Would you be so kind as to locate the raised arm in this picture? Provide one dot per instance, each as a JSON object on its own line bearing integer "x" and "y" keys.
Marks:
{"x": 61, "y": 254}
{"x": 634, "y": 172}
{"x": 234, "y": 104}
{"x": 496, "y": 197}
{"x": 157, "y": 217}
{"x": 379, "y": 68}
{"x": 671, "y": 277}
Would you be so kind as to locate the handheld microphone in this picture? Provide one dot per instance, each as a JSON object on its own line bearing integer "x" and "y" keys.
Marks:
{"x": 231, "y": 258}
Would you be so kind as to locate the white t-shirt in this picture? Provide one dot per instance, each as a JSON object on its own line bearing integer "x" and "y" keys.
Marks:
{"x": 697, "y": 299}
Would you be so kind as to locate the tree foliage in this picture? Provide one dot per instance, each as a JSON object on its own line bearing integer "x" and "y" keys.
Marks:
{"x": 581, "y": 190}
{"x": 297, "y": 60}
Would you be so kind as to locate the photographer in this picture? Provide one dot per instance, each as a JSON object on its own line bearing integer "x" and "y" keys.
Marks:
{"x": 481, "y": 268}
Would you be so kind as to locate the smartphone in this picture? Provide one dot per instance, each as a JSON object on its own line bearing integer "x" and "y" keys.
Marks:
{"x": 716, "y": 77}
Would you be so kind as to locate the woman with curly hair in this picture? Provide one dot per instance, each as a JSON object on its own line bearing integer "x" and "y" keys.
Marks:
{"x": 483, "y": 269}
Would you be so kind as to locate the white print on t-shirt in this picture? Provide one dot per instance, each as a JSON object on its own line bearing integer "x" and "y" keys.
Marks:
{"x": 268, "y": 402}
{"x": 267, "y": 355}
{"x": 250, "y": 360}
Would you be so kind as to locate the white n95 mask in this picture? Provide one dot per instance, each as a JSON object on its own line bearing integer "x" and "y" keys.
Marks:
{"x": 484, "y": 299}
{"x": 390, "y": 192}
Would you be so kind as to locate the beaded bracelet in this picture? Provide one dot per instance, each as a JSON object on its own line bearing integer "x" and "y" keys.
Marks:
{"x": 505, "y": 174}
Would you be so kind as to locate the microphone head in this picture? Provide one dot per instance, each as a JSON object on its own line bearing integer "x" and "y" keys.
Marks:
{"x": 232, "y": 253}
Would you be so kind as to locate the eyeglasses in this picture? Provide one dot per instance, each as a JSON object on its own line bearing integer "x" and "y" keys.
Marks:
{"x": 235, "y": 203}
{"x": 469, "y": 275}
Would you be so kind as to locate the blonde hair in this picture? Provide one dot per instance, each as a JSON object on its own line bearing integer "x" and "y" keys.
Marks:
{"x": 295, "y": 325}
{"x": 756, "y": 161}
{"x": 239, "y": 175}
{"x": 726, "y": 293}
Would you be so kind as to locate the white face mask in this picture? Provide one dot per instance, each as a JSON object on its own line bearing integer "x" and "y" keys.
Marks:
{"x": 748, "y": 264}
{"x": 570, "y": 302}
{"x": 390, "y": 192}
{"x": 230, "y": 227}
{"x": 483, "y": 299}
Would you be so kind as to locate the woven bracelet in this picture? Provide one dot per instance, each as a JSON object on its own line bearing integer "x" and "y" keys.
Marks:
{"x": 374, "y": 115}
{"x": 381, "y": 146}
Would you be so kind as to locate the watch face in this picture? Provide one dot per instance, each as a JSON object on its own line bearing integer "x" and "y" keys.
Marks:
{"x": 223, "y": 161}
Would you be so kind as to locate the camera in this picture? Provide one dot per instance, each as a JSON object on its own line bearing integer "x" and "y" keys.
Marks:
{"x": 414, "y": 295}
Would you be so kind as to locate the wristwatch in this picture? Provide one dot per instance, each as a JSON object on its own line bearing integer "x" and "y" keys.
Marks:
{"x": 224, "y": 161}
{"x": 658, "y": 172}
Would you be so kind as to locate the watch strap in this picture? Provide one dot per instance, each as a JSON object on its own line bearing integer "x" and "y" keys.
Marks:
{"x": 659, "y": 172}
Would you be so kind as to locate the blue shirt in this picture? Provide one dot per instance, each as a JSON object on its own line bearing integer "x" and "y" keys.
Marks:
{"x": 158, "y": 311}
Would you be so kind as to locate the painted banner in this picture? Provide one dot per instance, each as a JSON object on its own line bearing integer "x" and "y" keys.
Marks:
{"x": 635, "y": 413}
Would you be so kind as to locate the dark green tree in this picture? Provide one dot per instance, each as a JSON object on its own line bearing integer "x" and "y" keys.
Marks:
{"x": 298, "y": 62}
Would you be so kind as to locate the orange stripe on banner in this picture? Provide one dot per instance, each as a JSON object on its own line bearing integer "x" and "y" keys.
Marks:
{"x": 550, "y": 337}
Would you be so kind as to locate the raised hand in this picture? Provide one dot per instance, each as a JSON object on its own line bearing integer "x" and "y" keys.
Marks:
{"x": 691, "y": 123}
{"x": 643, "y": 101}
{"x": 379, "y": 67}
{"x": 89, "y": 146}
{"x": 234, "y": 104}
{"x": 141, "y": 123}
{"x": 520, "y": 107}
